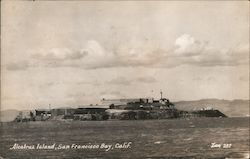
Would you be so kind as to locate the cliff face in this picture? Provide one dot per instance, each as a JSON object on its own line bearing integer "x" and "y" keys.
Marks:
{"x": 143, "y": 114}
{"x": 209, "y": 113}
{"x": 201, "y": 113}
{"x": 164, "y": 114}
{"x": 231, "y": 108}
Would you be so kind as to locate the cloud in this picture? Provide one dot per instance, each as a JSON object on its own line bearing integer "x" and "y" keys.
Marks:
{"x": 92, "y": 56}
{"x": 111, "y": 94}
{"x": 227, "y": 57}
{"x": 62, "y": 54}
{"x": 146, "y": 79}
{"x": 207, "y": 79}
{"x": 186, "y": 45}
{"x": 93, "y": 82}
{"x": 186, "y": 51}
{"x": 76, "y": 95}
{"x": 190, "y": 51}
{"x": 125, "y": 81}
{"x": 120, "y": 81}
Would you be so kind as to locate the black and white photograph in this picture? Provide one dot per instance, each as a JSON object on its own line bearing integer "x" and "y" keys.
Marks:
{"x": 136, "y": 79}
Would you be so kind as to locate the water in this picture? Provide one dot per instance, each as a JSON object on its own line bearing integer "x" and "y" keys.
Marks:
{"x": 175, "y": 138}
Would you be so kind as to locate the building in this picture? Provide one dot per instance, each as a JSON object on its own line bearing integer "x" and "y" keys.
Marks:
{"x": 42, "y": 114}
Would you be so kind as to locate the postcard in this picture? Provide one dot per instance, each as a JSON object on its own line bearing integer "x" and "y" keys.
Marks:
{"x": 124, "y": 79}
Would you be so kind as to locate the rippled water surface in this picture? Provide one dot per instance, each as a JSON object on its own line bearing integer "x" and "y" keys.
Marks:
{"x": 175, "y": 138}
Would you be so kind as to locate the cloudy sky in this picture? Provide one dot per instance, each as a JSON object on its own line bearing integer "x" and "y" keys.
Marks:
{"x": 73, "y": 53}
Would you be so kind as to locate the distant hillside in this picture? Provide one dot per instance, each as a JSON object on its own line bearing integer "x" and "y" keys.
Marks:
{"x": 234, "y": 108}
{"x": 8, "y": 115}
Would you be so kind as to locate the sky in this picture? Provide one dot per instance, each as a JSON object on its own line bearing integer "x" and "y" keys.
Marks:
{"x": 74, "y": 53}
